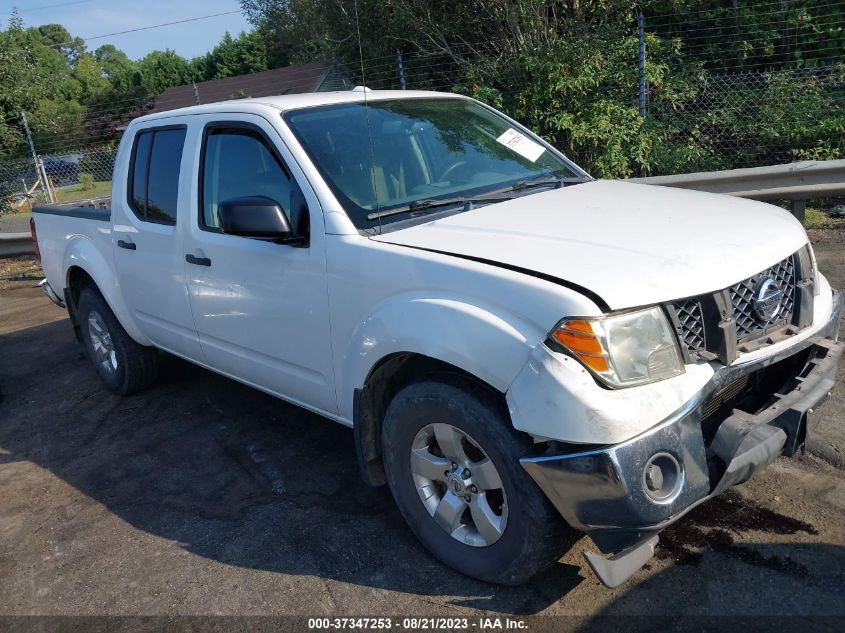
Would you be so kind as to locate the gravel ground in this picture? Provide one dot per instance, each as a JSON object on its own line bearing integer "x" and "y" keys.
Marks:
{"x": 23, "y": 268}
{"x": 202, "y": 496}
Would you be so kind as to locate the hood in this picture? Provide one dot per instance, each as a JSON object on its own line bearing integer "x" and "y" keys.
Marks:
{"x": 630, "y": 244}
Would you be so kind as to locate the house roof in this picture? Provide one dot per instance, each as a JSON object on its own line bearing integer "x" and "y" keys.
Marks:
{"x": 296, "y": 79}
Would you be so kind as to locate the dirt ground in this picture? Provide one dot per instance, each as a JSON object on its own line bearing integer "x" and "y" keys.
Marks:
{"x": 202, "y": 496}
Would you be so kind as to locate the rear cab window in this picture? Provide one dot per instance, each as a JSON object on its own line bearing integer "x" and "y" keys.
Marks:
{"x": 153, "y": 187}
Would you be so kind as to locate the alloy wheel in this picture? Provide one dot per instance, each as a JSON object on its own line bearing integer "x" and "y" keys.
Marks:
{"x": 101, "y": 342}
{"x": 459, "y": 485}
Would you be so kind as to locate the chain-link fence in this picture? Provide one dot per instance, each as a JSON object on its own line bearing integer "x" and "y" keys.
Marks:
{"x": 19, "y": 185}
{"x": 723, "y": 122}
{"x": 752, "y": 119}
{"x": 707, "y": 120}
{"x": 636, "y": 119}
{"x": 70, "y": 176}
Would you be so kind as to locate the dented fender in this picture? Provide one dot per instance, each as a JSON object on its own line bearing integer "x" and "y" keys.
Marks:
{"x": 481, "y": 340}
{"x": 555, "y": 397}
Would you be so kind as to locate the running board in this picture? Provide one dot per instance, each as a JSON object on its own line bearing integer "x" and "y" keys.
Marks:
{"x": 618, "y": 568}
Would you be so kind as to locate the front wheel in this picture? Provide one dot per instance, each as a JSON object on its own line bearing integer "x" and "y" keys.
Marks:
{"x": 123, "y": 365}
{"x": 452, "y": 463}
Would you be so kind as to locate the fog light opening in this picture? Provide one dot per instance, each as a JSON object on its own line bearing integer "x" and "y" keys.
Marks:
{"x": 662, "y": 477}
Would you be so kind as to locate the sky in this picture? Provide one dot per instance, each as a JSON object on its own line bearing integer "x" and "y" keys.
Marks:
{"x": 91, "y": 18}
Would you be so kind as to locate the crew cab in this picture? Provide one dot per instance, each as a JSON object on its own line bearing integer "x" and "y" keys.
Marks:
{"x": 525, "y": 354}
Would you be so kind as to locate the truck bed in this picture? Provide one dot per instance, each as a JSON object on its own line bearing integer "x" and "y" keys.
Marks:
{"x": 71, "y": 232}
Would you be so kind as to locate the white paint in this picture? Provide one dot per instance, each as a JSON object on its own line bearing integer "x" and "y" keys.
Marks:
{"x": 632, "y": 245}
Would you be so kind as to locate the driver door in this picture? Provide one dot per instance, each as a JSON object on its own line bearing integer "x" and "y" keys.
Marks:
{"x": 260, "y": 308}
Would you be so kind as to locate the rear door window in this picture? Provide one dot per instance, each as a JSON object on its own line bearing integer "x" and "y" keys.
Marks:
{"x": 154, "y": 186}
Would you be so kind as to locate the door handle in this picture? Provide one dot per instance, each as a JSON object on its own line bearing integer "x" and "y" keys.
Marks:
{"x": 130, "y": 246}
{"x": 199, "y": 261}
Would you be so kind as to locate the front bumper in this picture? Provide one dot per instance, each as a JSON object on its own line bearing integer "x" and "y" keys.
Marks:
{"x": 611, "y": 494}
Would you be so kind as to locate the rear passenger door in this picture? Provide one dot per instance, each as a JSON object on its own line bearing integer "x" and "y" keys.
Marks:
{"x": 261, "y": 308}
{"x": 146, "y": 243}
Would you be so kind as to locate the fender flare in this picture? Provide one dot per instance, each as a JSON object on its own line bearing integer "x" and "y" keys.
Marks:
{"x": 81, "y": 253}
{"x": 487, "y": 342}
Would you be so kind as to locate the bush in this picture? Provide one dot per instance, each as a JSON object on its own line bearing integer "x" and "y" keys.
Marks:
{"x": 87, "y": 181}
{"x": 99, "y": 163}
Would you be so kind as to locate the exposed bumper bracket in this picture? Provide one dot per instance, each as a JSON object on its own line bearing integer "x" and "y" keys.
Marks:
{"x": 618, "y": 568}
{"x": 48, "y": 290}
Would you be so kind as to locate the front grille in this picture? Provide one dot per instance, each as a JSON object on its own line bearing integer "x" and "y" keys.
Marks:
{"x": 724, "y": 323}
{"x": 691, "y": 323}
{"x": 748, "y": 323}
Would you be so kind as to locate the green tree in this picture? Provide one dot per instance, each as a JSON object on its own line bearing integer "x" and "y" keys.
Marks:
{"x": 568, "y": 68}
{"x": 89, "y": 73}
{"x": 31, "y": 73}
{"x": 160, "y": 70}
{"x": 236, "y": 56}
{"x": 58, "y": 38}
{"x": 121, "y": 72}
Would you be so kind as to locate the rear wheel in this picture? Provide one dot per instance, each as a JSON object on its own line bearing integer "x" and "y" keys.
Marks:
{"x": 452, "y": 462}
{"x": 123, "y": 365}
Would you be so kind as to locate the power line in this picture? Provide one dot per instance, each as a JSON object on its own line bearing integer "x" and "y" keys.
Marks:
{"x": 156, "y": 26}
{"x": 47, "y": 6}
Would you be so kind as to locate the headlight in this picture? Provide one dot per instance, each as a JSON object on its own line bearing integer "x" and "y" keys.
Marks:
{"x": 623, "y": 350}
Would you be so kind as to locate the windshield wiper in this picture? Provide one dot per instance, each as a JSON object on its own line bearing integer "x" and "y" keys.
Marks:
{"x": 417, "y": 206}
{"x": 541, "y": 181}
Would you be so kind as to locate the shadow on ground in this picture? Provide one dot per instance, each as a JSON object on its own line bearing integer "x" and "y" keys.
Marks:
{"x": 231, "y": 473}
{"x": 239, "y": 477}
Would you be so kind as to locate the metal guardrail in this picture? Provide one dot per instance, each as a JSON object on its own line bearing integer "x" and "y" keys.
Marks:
{"x": 21, "y": 243}
{"x": 16, "y": 244}
{"x": 797, "y": 182}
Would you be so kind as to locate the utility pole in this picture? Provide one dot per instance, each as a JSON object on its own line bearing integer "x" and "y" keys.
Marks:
{"x": 642, "y": 96}
{"x": 401, "y": 69}
{"x": 641, "y": 64}
{"x": 196, "y": 93}
{"x": 40, "y": 172}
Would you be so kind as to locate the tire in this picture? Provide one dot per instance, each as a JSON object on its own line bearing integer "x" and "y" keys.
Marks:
{"x": 532, "y": 535}
{"x": 123, "y": 365}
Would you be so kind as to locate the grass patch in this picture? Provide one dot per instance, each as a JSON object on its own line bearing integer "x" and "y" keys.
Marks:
{"x": 816, "y": 219}
{"x": 72, "y": 193}
{"x": 24, "y": 213}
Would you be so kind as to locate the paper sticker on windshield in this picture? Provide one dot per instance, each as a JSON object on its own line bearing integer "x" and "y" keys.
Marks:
{"x": 521, "y": 145}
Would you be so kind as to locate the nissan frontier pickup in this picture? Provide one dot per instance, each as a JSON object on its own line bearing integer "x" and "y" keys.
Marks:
{"x": 524, "y": 354}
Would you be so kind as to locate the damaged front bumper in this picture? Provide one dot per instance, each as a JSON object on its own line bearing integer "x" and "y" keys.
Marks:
{"x": 623, "y": 495}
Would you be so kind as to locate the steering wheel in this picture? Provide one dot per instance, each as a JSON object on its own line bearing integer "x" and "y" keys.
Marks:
{"x": 445, "y": 175}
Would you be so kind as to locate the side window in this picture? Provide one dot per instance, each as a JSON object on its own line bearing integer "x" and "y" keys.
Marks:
{"x": 239, "y": 162}
{"x": 140, "y": 165}
{"x": 154, "y": 185}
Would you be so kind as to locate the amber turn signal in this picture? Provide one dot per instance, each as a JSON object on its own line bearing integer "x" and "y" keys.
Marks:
{"x": 580, "y": 339}
{"x": 576, "y": 342}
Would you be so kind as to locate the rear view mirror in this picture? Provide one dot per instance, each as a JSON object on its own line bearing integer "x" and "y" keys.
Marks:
{"x": 254, "y": 216}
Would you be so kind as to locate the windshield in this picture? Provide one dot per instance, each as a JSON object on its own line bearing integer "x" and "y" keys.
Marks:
{"x": 420, "y": 150}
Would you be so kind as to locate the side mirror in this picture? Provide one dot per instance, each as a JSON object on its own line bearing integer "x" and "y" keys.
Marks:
{"x": 254, "y": 216}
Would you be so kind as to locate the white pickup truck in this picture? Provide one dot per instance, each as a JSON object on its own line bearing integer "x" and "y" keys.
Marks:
{"x": 524, "y": 353}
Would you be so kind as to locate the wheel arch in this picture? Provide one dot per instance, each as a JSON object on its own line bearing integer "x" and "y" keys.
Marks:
{"x": 387, "y": 377}
{"x": 85, "y": 265}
